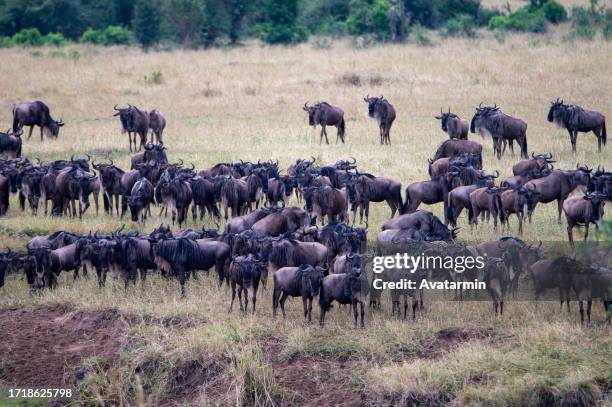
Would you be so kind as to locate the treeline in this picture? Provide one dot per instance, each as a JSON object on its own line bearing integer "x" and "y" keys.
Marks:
{"x": 204, "y": 23}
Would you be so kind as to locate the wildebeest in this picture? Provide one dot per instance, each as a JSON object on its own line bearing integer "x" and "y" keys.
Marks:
{"x": 288, "y": 252}
{"x": 35, "y": 114}
{"x": 453, "y": 125}
{"x": 331, "y": 202}
{"x": 351, "y": 288}
{"x": 536, "y": 162}
{"x": 152, "y": 152}
{"x": 459, "y": 197}
{"x": 280, "y": 190}
{"x": 558, "y": 185}
{"x": 10, "y": 144}
{"x": 287, "y": 220}
{"x": 245, "y": 271}
{"x": 519, "y": 201}
{"x": 583, "y": 210}
{"x": 380, "y": 109}
{"x": 425, "y": 222}
{"x": 486, "y": 200}
{"x": 324, "y": 114}
{"x": 140, "y": 199}
{"x": 490, "y": 121}
{"x": 203, "y": 192}
{"x": 50, "y": 263}
{"x": 157, "y": 124}
{"x": 176, "y": 195}
{"x": 456, "y": 147}
{"x": 378, "y": 189}
{"x": 497, "y": 279}
{"x": 576, "y": 119}
{"x": 303, "y": 281}
{"x": 134, "y": 121}
{"x": 430, "y": 192}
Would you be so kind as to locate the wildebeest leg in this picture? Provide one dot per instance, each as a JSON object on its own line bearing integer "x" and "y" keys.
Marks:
{"x": 282, "y": 302}
{"x": 405, "y": 305}
{"x": 30, "y": 133}
{"x": 511, "y": 145}
{"x": 391, "y": 204}
{"x": 41, "y": 134}
{"x": 581, "y": 312}
{"x": 355, "y": 313}
{"x": 233, "y": 285}
{"x": 597, "y": 132}
{"x": 362, "y": 309}
{"x": 572, "y": 140}
{"x": 586, "y": 231}
{"x": 323, "y": 133}
{"x": 589, "y": 304}
{"x": 560, "y": 208}
{"x": 382, "y": 134}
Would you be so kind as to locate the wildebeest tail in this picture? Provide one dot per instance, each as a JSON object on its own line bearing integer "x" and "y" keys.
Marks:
{"x": 397, "y": 199}
{"x": 22, "y": 199}
{"x": 470, "y": 212}
{"x": 406, "y": 204}
{"x": 604, "y": 133}
{"x": 450, "y": 215}
{"x": 341, "y": 129}
{"x": 106, "y": 201}
{"x": 500, "y": 209}
{"x": 15, "y": 120}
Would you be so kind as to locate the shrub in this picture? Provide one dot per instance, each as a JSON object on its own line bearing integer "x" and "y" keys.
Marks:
{"x": 554, "y": 12}
{"x": 29, "y": 37}
{"x": 154, "y": 79}
{"x": 111, "y": 35}
{"x": 369, "y": 17}
{"x": 421, "y": 36}
{"x": 584, "y": 23}
{"x": 55, "y": 40}
{"x": 520, "y": 20}
{"x": 460, "y": 26}
{"x": 6, "y": 42}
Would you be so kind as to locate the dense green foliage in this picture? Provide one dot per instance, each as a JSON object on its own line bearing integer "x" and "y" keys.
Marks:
{"x": 202, "y": 23}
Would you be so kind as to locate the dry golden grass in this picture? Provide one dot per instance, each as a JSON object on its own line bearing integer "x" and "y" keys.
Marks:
{"x": 245, "y": 103}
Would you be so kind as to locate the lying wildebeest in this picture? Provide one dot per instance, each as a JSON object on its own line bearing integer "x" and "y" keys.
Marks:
{"x": 576, "y": 119}
{"x": 324, "y": 115}
{"x": 140, "y": 200}
{"x": 558, "y": 185}
{"x": 536, "y": 162}
{"x": 425, "y": 222}
{"x": 583, "y": 210}
{"x": 245, "y": 271}
{"x": 10, "y": 144}
{"x": 303, "y": 281}
{"x": 35, "y": 114}
{"x": 378, "y": 189}
{"x": 157, "y": 124}
{"x": 453, "y": 125}
{"x": 486, "y": 200}
{"x": 134, "y": 121}
{"x": 351, "y": 288}
{"x": 380, "y": 109}
{"x": 456, "y": 147}
{"x": 490, "y": 121}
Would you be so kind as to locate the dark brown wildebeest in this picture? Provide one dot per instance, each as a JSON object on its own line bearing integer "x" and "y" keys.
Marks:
{"x": 351, "y": 288}
{"x": 453, "y": 125}
{"x": 378, "y": 189}
{"x": 203, "y": 191}
{"x": 157, "y": 124}
{"x": 10, "y": 144}
{"x": 536, "y": 162}
{"x": 486, "y": 200}
{"x": 134, "y": 121}
{"x": 498, "y": 280}
{"x": 303, "y": 281}
{"x": 35, "y": 114}
{"x": 583, "y": 210}
{"x": 50, "y": 263}
{"x": 442, "y": 165}
{"x": 231, "y": 193}
{"x": 331, "y": 202}
{"x": 324, "y": 115}
{"x": 239, "y": 224}
{"x": 519, "y": 201}
{"x": 219, "y": 169}
{"x": 288, "y": 252}
{"x": 455, "y": 147}
{"x": 245, "y": 271}
{"x": 430, "y": 192}
{"x": 576, "y": 119}
{"x": 153, "y": 152}
{"x": 558, "y": 185}
{"x": 176, "y": 195}
{"x": 380, "y": 109}
{"x": 517, "y": 181}
{"x": 140, "y": 200}
{"x": 490, "y": 121}
{"x": 459, "y": 197}
{"x": 425, "y": 222}
{"x": 286, "y": 221}
{"x": 280, "y": 190}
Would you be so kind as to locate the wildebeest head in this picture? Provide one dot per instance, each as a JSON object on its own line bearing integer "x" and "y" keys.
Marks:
{"x": 314, "y": 112}
{"x": 597, "y": 203}
{"x": 375, "y": 105}
{"x": 444, "y": 118}
{"x": 482, "y": 115}
{"x": 555, "y": 113}
{"x": 125, "y": 115}
{"x": 311, "y": 278}
{"x": 155, "y": 152}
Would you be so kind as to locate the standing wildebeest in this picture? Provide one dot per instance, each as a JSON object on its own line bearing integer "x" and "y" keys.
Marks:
{"x": 153, "y": 152}
{"x": 453, "y": 125}
{"x": 430, "y": 192}
{"x": 303, "y": 281}
{"x": 10, "y": 144}
{"x": 232, "y": 193}
{"x": 331, "y": 202}
{"x": 35, "y": 114}
{"x": 583, "y": 210}
{"x": 378, "y": 189}
{"x": 141, "y": 197}
{"x": 288, "y": 252}
{"x": 558, "y": 185}
{"x": 384, "y": 113}
{"x": 245, "y": 271}
{"x": 490, "y": 121}
{"x": 455, "y": 147}
{"x": 576, "y": 119}
{"x": 497, "y": 279}
{"x": 203, "y": 191}
{"x": 325, "y": 114}
{"x": 134, "y": 121}
{"x": 348, "y": 288}
{"x": 459, "y": 197}
{"x": 519, "y": 201}
{"x": 157, "y": 124}
{"x": 486, "y": 199}
{"x": 175, "y": 193}
{"x": 280, "y": 190}
{"x": 536, "y": 162}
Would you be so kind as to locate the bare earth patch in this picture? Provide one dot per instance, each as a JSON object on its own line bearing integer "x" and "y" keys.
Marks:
{"x": 45, "y": 346}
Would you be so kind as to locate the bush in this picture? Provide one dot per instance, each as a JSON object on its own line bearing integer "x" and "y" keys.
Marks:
{"x": 584, "y": 23}
{"x": 421, "y": 36}
{"x": 29, "y": 37}
{"x": 520, "y": 20}
{"x": 6, "y": 42}
{"x": 111, "y": 35}
{"x": 369, "y": 17}
{"x": 554, "y": 12}
{"x": 460, "y": 26}
{"x": 55, "y": 40}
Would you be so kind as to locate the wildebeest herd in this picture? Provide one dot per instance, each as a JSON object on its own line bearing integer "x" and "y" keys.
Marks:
{"x": 311, "y": 250}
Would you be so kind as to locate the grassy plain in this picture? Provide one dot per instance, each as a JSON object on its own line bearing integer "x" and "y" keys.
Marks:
{"x": 245, "y": 103}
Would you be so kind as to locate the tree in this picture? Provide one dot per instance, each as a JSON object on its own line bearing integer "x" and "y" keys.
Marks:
{"x": 281, "y": 19}
{"x": 238, "y": 9}
{"x": 146, "y": 22}
{"x": 188, "y": 18}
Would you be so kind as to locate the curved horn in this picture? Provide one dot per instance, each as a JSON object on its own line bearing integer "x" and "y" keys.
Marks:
{"x": 496, "y": 174}
{"x": 305, "y": 107}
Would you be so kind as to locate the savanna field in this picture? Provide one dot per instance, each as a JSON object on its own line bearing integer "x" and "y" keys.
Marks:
{"x": 148, "y": 346}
